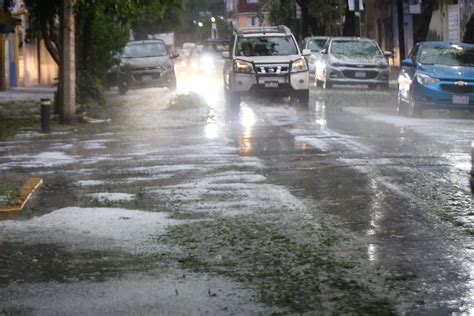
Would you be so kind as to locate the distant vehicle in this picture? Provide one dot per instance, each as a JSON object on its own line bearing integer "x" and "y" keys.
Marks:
{"x": 265, "y": 60}
{"x": 315, "y": 44}
{"x": 353, "y": 60}
{"x": 437, "y": 75}
{"x": 208, "y": 58}
{"x": 141, "y": 64}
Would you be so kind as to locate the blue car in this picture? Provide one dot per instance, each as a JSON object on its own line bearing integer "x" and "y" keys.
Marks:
{"x": 437, "y": 75}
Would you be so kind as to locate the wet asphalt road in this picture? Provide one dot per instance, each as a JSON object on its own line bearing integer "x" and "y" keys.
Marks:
{"x": 272, "y": 207}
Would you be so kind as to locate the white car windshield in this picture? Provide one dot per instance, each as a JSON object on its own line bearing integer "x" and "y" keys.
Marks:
{"x": 452, "y": 55}
{"x": 316, "y": 45}
{"x": 266, "y": 46}
{"x": 355, "y": 48}
{"x": 141, "y": 50}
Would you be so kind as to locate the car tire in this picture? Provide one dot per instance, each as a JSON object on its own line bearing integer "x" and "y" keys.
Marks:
{"x": 123, "y": 88}
{"x": 402, "y": 107}
{"x": 414, "y": 110}
{"x": 232, "y": 98}
{"x": 327, "y": 85}
{"x": 172, "y": 84}
{"x": 303, "y": 97}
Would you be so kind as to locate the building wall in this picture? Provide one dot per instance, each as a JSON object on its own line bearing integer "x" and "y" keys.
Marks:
{"x": 439, "y": 26}
{"x": 379, "y": 23}
{"x": 35, "y": 64}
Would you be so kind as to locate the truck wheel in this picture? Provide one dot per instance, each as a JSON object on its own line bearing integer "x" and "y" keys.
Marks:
{"x": 232, "y": 98}
{"x": 303, "y": 97}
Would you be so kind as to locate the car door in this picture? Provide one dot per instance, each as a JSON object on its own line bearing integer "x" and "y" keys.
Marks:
{"x": 322, "y": 61}
{"x": 407, "y": 74}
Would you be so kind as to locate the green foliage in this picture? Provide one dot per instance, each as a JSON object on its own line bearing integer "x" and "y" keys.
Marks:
{"x": 322, "y": 14}
{"x": 89, "y": 88}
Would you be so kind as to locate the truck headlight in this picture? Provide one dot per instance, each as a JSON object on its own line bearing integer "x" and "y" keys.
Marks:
{"x": 425, "y": 79}
{"x": 242, "y": 66}
{"x": 299, "y": 65}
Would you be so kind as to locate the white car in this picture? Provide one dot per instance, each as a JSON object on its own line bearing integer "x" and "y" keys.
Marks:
{"x": 265, "y": 60}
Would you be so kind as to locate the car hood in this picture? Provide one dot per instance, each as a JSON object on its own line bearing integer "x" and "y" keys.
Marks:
{"x": 270, "y": 59}
{"x": 145, "y": 61}
{"x": 448, "y": 72}
{"x": 359, "y": 60}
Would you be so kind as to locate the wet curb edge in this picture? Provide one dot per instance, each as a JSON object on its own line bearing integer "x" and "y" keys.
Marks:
{"x": 25, "y": 194}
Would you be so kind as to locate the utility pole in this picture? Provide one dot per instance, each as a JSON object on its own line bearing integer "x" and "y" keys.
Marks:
{"x": 357, "y": 18}
{"x": 401, "y": 29}
{"x": 68, "y": 65}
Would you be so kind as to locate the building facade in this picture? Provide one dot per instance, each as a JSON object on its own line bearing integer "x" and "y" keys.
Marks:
{"x": 247, "y": 12}
{"x": 26, "y": 63}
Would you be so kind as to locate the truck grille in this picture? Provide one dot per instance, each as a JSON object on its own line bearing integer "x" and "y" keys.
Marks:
{"x": 276, "y": 69}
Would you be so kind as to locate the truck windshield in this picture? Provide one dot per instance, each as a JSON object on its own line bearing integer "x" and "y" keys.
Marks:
{"x": 266, "y": 46}
{"x": 141, "y": 50}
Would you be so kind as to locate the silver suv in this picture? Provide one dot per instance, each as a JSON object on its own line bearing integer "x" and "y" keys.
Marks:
{"x": 265, "y": 60}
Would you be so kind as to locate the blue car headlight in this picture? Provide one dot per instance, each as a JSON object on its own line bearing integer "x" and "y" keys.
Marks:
{"x": 424, "y": 79}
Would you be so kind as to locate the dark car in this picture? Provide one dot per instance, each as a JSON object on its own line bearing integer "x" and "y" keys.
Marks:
{"x": 438, "y": 75}
{"x": 143, "y": 64}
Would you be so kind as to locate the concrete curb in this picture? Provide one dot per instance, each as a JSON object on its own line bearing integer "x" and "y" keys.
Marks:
{"x": 25, "y": 194}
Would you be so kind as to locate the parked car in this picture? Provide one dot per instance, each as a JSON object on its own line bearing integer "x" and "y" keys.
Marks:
{"x": 265, "y": 60}
{"x": 437, "y": 75}
{"x": 315, "y": 44}
{"x": 353, "y": 60}
{"x": 143, "y": 64}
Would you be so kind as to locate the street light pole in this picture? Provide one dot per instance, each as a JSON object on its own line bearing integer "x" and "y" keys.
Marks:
{"x": 357, "y": 18}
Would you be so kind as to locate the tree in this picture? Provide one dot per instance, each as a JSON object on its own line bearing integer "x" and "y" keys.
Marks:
{"x": 102, "y": 29}
{"x": 317, "y": 16}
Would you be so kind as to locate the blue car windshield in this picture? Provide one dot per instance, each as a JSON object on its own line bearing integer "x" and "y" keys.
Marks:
{"x": 266, "y": 46}
{"x": 141, "y": 50}
{"x": 452, "y": 55}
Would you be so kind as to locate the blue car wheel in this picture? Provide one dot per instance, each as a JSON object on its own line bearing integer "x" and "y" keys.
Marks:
{"x": 414, "y": 109}
{"x": 402, "y": 106}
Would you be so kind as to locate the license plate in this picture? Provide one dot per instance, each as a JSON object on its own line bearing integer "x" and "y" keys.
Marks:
{"x": 360, "y": 74}
{"x": 460, "y": 99}
{"x": 271, "y": 84}
{"x": 147, "y": 78}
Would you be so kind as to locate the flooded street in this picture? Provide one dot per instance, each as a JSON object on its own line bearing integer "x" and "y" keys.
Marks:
{"x": 184, "y": 205}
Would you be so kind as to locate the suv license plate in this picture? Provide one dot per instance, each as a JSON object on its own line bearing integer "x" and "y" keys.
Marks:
{"x": 147, "y": 78}
{"x": 460, "y": 99}
{"x": 271, "y": 84}
{"x": 360, "y": 74}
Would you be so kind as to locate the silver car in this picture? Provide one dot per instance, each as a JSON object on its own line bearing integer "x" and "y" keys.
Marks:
{"x": 353, "y": 60}
{"x": 315, "y": 44}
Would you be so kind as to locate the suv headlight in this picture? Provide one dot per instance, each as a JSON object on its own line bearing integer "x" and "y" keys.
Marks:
{"x": 425, "y": 79}
{"x": 299, "y": 65}
{"x": 243, "y": 66}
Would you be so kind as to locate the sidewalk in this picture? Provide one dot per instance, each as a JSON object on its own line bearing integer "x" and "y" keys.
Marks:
{"x": 34, "y": 93}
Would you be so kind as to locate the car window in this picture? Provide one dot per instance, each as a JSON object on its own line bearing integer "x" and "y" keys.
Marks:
{"x": 355, "y": 48}
{"x": 453, "y": 55}
{"x": 266, "y": 46}
{"x": 141, "y": 50}
{"x": 316, "y": 45}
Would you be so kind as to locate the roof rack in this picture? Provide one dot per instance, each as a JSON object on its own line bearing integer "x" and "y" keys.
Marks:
{"x": 261, "y": 29}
